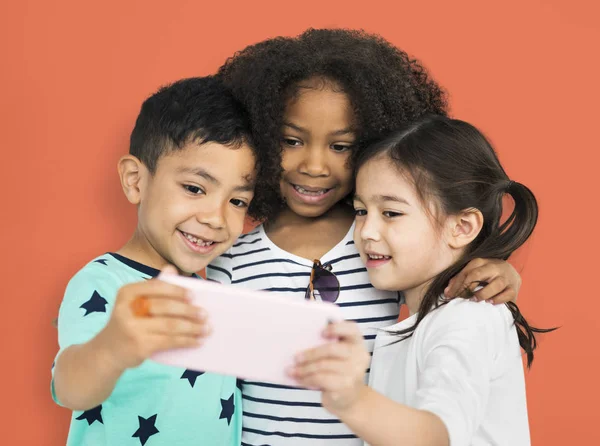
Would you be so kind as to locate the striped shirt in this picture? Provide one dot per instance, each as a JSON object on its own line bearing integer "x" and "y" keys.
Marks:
{"x": 277, "y": 415}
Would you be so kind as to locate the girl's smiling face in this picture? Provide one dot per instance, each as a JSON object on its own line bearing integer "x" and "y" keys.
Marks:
{"x": 396, "y": 235}
{"x": 317, "y": 138}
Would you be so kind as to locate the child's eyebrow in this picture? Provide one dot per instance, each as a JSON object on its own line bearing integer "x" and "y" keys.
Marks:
{"x": 382, "y": 198}
{"x": 248, "y": 186}
{"x": 341, "y": 132}
{"x": 199, "y": 171}
{"x": 394, "y": 198}
{"x": 346, "y": 131}
{"x": 295, "y": 127}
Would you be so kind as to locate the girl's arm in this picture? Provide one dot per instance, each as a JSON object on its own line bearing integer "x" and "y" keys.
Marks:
{"x": 501, "y": 279}
{"x": 381, "y": 422}
{"x": 455, "y": 358}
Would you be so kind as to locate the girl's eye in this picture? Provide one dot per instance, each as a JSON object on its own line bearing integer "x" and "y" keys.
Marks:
{"x": 360, "y": 212}
{"x": 340, "y": 148}
{"x": 392, "y": 214}
{"x": 238, "y": 203}
{"x": 193, "y": 189}
{"x": 292, "y": 142}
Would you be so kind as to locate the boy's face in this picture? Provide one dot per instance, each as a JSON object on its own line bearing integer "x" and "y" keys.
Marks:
{"x": 193, "y": 208}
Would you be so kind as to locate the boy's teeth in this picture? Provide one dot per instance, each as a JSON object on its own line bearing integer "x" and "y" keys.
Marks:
{"x": 193, "y": 239}
{"x": 308, "y": 192}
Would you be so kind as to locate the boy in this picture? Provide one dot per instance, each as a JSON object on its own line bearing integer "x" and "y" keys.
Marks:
{"x": 190, "y": 172}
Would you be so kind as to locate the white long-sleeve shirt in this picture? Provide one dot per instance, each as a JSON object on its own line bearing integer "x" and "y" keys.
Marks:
{"x": 463, "y": 363}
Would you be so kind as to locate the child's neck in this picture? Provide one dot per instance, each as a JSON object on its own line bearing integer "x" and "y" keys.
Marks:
{"x": 310, "y": 237}
{"x": 414, "y": 296}
{"x": 139, "y": 249}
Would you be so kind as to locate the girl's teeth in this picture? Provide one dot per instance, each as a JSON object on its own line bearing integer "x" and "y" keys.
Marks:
{"x": 193, "y": 239}
{"x": 308, "y": 192}
{"x": 375, "y": 257}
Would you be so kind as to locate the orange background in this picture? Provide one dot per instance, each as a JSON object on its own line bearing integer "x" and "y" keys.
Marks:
{"x": 72, "y": 79}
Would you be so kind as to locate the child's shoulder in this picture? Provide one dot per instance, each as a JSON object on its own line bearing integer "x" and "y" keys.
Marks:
{"x": 105, "y": 271}
{"x": 465, "y": 314}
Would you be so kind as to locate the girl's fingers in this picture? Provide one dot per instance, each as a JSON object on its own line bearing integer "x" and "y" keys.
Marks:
{"x": 492, "y": 289}
{"x": 325, "y": 382}
{"x": 336, "y": 350}
{"x": 470, "y": 279}
{"x": 508, "y": 295}
{"x": 332, "y": 366}
{"x": 344, "y": 330}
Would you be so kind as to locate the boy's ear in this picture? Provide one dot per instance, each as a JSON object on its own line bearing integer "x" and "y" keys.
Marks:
{"x": 132, "y": 173}
{"x": 464, "y": 227}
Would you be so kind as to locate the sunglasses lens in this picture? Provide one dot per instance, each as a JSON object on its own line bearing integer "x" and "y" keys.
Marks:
{"x": 326, "y": 285}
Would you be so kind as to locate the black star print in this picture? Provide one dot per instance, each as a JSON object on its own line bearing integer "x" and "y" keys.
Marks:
{"x": 191, "y": 376}
{"x": 227, "y": 409}
{"x": 92, "y": 415}
{"x": 96, "y": 304}
{"x": 146, "y": 429}
{"x": 103, "y": 261}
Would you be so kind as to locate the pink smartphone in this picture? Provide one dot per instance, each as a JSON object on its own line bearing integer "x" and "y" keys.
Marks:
{"x": 255, "y": 333}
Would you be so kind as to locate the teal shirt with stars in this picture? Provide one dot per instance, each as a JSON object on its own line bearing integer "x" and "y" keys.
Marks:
{"x": 152, "y": 404}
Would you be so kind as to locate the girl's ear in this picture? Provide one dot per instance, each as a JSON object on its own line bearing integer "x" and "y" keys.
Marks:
{"x": 132, "y": 172}
{"x": 464, "y": 227}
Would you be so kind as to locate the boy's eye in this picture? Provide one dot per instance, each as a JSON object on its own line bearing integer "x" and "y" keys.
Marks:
{"x": 360, "y": 212}
{"x": 238, "y": 203}
{"x": 193, "y": 189}
{"x": 292, "y": 142}
{"x": 340, "y": 147}
{"x": 392, "y": 214}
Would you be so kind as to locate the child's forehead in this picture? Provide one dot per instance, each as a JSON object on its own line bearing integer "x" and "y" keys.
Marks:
{"x": 221, "y": 159}
{"x": 322, "y": 107}
{"x": 383, "y": 174}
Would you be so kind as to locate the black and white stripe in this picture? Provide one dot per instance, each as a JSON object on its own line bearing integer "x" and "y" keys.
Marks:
{"x": 279, "y": 415}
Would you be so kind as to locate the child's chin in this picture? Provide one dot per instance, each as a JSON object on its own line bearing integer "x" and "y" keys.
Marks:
{"x": 309, "y": 211}
{"x": 382, "y": 282}
{"x": 189, "y": 268}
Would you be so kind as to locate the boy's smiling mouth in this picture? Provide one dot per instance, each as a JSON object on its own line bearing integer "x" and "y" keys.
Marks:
{"x": 198, "y": 244}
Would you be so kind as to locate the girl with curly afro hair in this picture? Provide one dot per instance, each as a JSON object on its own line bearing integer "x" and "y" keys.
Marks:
{"x": 315, "y": 102}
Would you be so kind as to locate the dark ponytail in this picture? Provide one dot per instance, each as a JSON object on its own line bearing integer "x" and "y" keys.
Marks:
{"x": 453, "y": 161}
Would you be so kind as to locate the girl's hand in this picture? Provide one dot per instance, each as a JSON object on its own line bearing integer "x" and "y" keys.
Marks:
{"x": 503, "y": 281}
{"x": 337, "y": 369}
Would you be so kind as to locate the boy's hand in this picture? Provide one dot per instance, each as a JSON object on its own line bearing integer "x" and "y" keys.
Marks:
{"x": 501, "y": 281}
{"x": 337, "y": 369}
{"x": 172, "y": 322}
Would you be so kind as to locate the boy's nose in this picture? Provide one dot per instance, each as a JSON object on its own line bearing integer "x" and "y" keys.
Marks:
{"x": 213, "y": 216}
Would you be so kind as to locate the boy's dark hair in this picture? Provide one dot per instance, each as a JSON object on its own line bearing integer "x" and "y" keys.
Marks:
{"x": 197, "y": 110}
{"x": 387, "y": 88}
{"x": 453, "y": 163}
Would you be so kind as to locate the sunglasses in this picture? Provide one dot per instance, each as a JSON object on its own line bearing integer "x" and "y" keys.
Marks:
{"x": 323, "y": 284}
